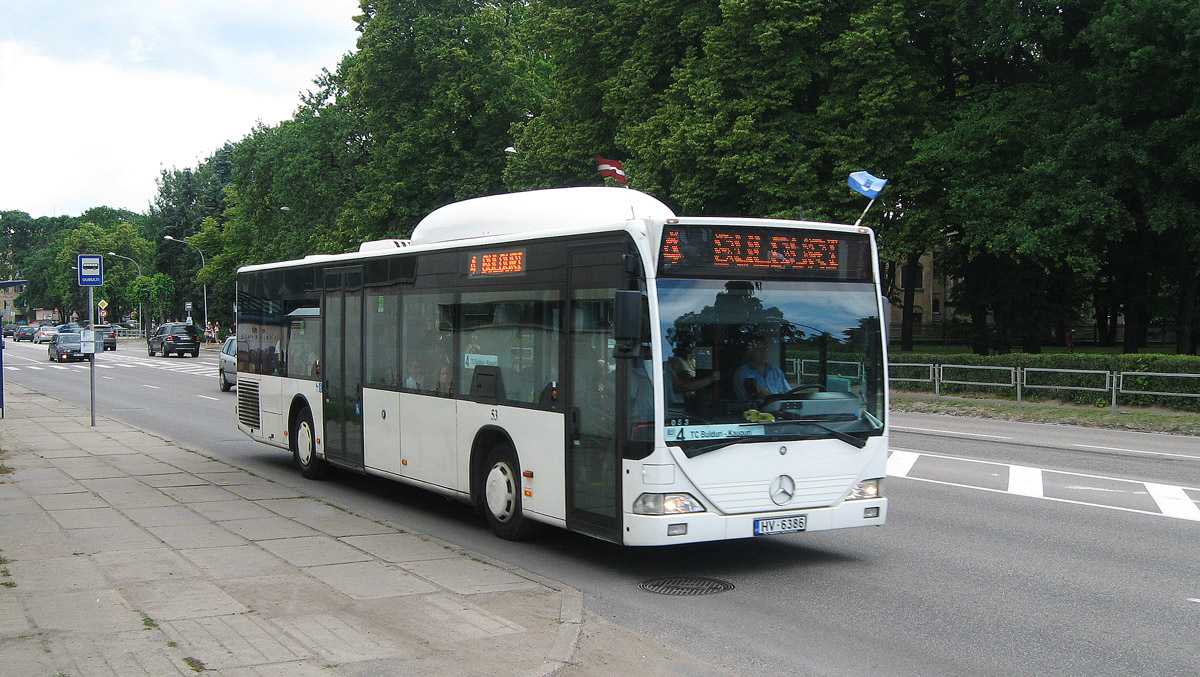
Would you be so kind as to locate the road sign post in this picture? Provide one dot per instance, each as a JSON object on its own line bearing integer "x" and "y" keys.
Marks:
{"x": 91, "y": 275}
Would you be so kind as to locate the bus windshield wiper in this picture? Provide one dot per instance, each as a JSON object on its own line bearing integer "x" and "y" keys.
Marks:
{"x": 856, "y": 442}
{"x": 696, "y": 451}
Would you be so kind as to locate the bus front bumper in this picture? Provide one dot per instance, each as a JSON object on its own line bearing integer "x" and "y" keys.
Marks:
{"x": 710, "y": 526}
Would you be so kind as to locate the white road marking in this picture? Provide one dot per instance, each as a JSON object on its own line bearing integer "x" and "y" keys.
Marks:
{"x": 1025, "y": 481}
{"x": 1137, "y": 451}
{"x": 209, "y": 398}
{"x": 147, "y": 385}
{"x": 950, "y": 432}
{"x": 900, "y": 462}
{"x": 1174, "y": 501}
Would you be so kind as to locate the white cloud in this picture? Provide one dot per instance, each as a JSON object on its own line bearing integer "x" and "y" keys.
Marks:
{"x": 153, "y": 86}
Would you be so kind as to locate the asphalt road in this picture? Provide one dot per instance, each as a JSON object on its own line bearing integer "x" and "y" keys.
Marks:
{"x": 1010, "y": 549}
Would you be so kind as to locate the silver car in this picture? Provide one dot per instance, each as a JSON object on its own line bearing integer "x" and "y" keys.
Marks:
{"x": 227, "y": 365}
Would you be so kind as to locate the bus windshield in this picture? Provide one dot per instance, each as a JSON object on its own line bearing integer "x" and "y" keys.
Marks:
{"x": 764, "y": 360}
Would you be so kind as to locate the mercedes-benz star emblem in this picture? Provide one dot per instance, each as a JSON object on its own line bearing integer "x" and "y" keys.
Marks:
{"x": 782, "y": 489}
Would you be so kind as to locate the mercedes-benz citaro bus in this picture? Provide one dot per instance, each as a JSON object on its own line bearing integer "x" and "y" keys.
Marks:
{"x": 584, "y": 358}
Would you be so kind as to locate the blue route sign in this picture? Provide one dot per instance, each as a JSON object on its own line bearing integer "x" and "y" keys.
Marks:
{"x": 91, "y": 270}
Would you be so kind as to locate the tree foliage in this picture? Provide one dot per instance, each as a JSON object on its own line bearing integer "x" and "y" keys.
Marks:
{"x": 1048, "y": 152}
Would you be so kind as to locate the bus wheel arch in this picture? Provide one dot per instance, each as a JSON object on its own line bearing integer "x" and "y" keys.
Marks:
{"x": 303, "y": 441}
{"x": 496, "y": 486}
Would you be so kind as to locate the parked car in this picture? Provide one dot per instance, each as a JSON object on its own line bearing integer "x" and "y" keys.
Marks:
{"x": 174, "y": 337}
{"x": 25, "y": 333}
{"x": 10, "y": 330}
{"x": 108, "y": 333}
{"x": 66, "y": 347}
{"x": 45, "y": 333}
{"x": 227, "y": 364}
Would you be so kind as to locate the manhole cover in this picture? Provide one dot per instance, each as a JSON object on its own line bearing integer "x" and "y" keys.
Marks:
{"x": 686, "y": 585}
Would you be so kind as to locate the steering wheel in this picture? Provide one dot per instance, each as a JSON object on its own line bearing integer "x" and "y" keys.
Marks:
{"x": 794, "y": 391}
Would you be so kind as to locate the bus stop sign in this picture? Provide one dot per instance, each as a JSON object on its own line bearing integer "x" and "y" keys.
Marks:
{"x": 91, "y": 270}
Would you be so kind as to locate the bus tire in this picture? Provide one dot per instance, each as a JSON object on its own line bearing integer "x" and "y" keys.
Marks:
{"x": 502, "y": 496}
{"x": 304, "y": 447}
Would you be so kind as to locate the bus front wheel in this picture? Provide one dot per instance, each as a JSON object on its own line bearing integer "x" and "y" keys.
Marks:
{"x": 304, "y": 448}
{"x": 502, "y": 496}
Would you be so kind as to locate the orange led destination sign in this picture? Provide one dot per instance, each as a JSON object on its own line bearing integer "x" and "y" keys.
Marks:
{"x": 797, "y": 253}
{"x": 774, "y": 251}
{"x": 497, "y": 263}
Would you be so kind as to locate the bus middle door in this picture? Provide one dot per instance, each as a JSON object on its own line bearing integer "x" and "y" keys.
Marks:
{"x": 343, "y": 366}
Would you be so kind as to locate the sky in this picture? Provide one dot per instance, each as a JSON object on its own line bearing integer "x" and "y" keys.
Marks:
{"x": 98, "y": 97}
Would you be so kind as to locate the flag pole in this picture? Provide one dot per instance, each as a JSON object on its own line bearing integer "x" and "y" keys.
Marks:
{"x": 860, "y": 218}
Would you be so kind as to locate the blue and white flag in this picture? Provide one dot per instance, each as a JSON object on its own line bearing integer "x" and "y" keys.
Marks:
{"x": 866, "y": 184}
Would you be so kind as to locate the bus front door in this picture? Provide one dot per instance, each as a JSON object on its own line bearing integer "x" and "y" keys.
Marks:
{"x": 343, "y": 366}
{"x": 593, "y": 458}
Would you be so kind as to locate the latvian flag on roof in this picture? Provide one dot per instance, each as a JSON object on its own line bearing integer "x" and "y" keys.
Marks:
{"x": 611, "y": 168}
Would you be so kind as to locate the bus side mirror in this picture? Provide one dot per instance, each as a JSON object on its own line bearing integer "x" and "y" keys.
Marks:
{"x": 627, "y": 323}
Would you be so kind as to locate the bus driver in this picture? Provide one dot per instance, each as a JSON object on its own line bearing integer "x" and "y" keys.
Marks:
{"x": 758, "y": 378}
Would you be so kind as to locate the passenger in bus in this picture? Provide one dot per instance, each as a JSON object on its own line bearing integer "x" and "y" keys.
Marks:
{"x": 414, "y": 377}
{"x": 757, "y": 379}
{"x": 445, "y": 380}
{"x": 682, "y": 370}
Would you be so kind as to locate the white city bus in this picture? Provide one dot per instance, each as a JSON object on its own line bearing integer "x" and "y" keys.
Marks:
{"x": 584, "y": 358}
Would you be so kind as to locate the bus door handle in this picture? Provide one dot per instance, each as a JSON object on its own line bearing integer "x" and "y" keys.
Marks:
{"x": 575, "y": 414}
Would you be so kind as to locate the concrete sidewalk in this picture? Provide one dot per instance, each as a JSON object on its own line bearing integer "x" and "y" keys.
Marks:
{"x": 121, "y": 553}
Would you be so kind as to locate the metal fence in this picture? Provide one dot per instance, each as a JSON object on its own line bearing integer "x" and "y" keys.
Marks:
{"x": 1026, "y": 378}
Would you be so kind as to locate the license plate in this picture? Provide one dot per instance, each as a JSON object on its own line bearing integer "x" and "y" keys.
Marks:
{"x": 780, "y": 525}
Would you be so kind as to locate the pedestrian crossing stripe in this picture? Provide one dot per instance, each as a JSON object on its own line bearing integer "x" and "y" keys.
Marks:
{"x": 1149, "y": 498}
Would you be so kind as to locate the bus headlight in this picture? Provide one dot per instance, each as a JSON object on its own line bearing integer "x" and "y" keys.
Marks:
{"x": 864, "y": 489}
{"x": 666, "y": 504}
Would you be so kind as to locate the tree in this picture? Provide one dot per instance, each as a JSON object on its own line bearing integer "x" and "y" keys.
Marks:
{"x": 439, "y": 84}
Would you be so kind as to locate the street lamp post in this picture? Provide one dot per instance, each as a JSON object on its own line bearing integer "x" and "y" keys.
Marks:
{"x": 205, "y": 287}
{"x": 141, "y": 317}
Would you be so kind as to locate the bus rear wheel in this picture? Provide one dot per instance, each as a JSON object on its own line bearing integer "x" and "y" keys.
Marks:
{"x": 304, "y": 448}
{"x": 502, "y": 496}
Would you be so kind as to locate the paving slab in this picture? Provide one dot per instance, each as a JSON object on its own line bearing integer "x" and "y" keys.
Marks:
{"x": 299, "y": 507}
{"x": 233, "y": 509}
{"x": 206, "y": 535}
{"x": 235, "y": 640}
{"x": 81, "y": 611}
{"x": 236, "y": 561}
{"x": 181, "y": 599}
{"x": 144, "y": 565}
{"x": 111, "y": 539}
{"x": 13, "y": 621}
{"x": 345, "y": 525}
{"x": 265, "y": 490}
{"x": 468, "y": 576}
{"x": 308, "y": 551}
{"x": 267, "y": 528}
{"x": 60, "y": 574}
{"x": 164, "y": 516}
{"x": 206, "y": 493}
{"x": 370, "y": 580}
{"x": 89, "y": 518}
{"x": 395, "y": 547}
{"x": 71, "y": 501}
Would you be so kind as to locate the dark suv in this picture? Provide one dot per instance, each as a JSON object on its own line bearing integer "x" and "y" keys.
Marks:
{"x": 175, "y": 337}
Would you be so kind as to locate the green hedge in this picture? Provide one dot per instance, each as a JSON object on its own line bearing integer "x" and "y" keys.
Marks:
{"x": 1167, "y": 364}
